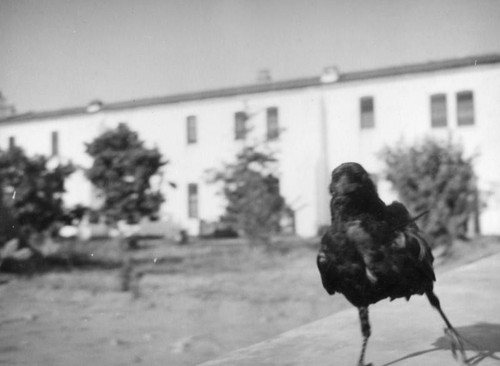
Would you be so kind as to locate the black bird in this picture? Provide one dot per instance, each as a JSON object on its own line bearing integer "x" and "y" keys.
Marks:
{"x": 373, "y": 251}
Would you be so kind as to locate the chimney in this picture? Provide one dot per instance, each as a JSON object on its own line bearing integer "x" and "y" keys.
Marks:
{"x": 94, "y": 106}
{"x": 330, "y": 74}
{"x": 6, "y": 110}
{"x": 264, "y": 76}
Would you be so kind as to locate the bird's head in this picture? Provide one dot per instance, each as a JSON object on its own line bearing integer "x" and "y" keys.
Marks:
{"x": 351, "y": 179}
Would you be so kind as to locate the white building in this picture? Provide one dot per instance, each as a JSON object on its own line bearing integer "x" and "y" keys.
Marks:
{"x": 314, "y": 123}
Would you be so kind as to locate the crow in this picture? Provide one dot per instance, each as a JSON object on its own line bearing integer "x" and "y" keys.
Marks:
{"x": 373, "y": 251}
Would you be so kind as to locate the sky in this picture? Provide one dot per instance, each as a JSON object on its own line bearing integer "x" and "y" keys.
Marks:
{"x": 64, "y": 53}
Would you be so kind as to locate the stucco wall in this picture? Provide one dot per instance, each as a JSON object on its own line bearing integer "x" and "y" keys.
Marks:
{"x": 321, "y": 129}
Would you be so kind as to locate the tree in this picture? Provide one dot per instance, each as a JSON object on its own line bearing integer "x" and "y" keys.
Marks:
{"x": 31, "y": 192}
{"x": 121, "y": 170}
{"x": 251, "y": 189}
{"x": 435, "y": 176}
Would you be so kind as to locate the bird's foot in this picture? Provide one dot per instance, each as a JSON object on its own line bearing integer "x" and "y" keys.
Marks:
{"x": 457, "y": 346}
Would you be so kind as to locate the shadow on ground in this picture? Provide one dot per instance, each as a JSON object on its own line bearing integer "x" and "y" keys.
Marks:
{"x": 482, "y": 339}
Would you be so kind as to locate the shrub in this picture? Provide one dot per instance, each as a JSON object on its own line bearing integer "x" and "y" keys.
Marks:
{"x": 121, "y": 170}
{"x": 31, "y": 191}
{"x": 251, "y": 189}
{"x": 436, "y": 176}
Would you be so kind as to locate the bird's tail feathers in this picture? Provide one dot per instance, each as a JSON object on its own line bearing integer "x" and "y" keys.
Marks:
{"x": 415, "y": 218}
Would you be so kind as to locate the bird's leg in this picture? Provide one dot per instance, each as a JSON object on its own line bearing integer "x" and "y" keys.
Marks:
{"x": 366, "y": 331}
{"x": 457, "y": 342}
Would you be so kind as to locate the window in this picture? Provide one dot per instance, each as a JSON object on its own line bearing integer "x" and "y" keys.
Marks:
{"x": 272, "y": 123}
{"x": 191, "y": 129}
{"x": 12, "y": 142}
{"x": 240, "y": 129}
{"x": 55, "y": 143}
{"x": 273, "y": 184}
{"x": 465, "y": 108}
{"x": 192, "y": 200}
{"x": 367, "y": 116}
{"x": 438, "y": 110}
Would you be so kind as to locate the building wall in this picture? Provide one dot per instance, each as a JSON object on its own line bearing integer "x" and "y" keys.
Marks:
{"x": 321, "y": 129}
{"x": 35, "y": 138}
{"x": 402, "y": 115}
{"x": 164, "y": 127}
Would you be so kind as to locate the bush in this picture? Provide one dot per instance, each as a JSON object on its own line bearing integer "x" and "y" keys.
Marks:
{"x": 254, "y": 203}
{"x": 121, "y": 170}
{"x": 30, "y": 192}
{"x": 436, "y": 176}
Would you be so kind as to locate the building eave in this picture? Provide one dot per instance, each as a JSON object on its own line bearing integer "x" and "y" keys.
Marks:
{"x": 301, "y": 83}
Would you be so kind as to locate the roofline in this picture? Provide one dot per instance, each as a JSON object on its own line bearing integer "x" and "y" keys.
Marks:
{"x": 292, "y": 84}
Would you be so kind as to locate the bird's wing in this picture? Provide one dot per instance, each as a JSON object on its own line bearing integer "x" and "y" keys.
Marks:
{"x": 326, "y": 264}
{"x": 372, "y": 253}
{"x": 410, "y": 239}
{"x": 388, "y": 252}
{"x": 417, "y": 245}
{"x": 338, "y": 262}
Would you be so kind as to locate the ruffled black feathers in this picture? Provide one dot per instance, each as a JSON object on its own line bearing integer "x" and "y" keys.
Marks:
{"x": 371, "y": 251}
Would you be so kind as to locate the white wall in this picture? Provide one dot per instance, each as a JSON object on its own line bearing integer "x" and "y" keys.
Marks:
{"x": 35, "y": 138}
{"x": 321, "y": 130}
{"x": 402, "y": 114}
{"x": 164, "y": 127}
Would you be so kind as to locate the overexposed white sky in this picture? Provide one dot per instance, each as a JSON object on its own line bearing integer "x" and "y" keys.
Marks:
{"x": 62, "y": 53}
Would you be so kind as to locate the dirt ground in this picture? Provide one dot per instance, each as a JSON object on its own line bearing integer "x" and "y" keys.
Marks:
{"x": 196, "y": 303}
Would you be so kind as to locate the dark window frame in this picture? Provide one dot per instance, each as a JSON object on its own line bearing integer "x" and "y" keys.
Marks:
{"x": 367, "y": 112}
{"x": 272, "y": 119}
{"x": 12, "y": 142}
{"x": 465, "y": 108}
{"x": 54, "y": 143}
{"x": 439, "y": 112}
{"x": 240, "y": 125}
{"x": 193, "y": 201}
{"x": 192, "y": 129}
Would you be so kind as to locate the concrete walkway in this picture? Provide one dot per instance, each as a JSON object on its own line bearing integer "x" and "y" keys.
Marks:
{"x": 403, "y": 333}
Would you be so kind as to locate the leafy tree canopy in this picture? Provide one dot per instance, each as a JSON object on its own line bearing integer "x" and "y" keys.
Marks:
{"x": 254, "y": 203}
{"x": 31, "y": 189}
{"x": 122, "y": 168}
